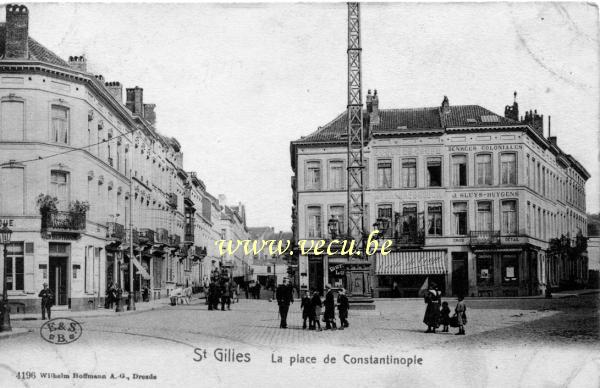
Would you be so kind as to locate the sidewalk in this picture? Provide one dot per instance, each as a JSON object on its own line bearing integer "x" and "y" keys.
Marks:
{"x": 102, "y": 312}
{"x": 555, "y": 295}
{"x": 15, "y": 332}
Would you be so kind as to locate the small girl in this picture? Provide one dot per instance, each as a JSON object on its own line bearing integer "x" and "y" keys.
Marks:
{"x": 445, "y": 316}
{"x": 461, "y": 315}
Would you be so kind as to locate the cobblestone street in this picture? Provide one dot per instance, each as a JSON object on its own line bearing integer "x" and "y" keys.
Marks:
{"x": 181, "y": 333}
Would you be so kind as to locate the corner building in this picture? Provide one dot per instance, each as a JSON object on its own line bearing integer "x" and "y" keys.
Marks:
{"x": 118, "y": 182}
{"x": 474, "y": 201}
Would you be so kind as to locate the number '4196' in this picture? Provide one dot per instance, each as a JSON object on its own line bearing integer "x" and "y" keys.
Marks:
{"x": 25, "y": 375}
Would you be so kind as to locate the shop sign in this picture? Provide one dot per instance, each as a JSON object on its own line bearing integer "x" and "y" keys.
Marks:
{"x": 337, "y": 269}
{"x": 485, "y": 194}
{"x": 9, "y": 222}
{"x": 486, "y": 147}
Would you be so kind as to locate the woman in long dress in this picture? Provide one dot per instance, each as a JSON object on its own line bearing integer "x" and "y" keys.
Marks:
{"x": 433, "y": 299}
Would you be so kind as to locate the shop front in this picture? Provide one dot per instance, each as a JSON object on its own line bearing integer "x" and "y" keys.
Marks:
{"x": 403, "y": 274}
{"x": 507, "y": 272}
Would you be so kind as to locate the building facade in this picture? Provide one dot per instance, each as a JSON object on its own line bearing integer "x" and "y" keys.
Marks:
{"x": 473, "y": 201}
{"x": 86, "y": 176}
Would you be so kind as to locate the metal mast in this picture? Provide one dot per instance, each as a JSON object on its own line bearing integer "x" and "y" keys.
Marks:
{"x": 355, "y": 167}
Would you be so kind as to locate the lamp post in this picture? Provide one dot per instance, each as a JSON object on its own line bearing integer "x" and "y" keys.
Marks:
{"x": 5, "y": 234}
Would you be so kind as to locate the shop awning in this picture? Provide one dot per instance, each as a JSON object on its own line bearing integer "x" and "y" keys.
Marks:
{"x": 411, "y": 263}
{"x": 141, "y": 270}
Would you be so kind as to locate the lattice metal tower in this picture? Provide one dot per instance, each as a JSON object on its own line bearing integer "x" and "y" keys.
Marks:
{"x": 356, "y": 222}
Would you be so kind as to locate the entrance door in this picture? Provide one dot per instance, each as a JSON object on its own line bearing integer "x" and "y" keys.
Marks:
{"x": 358, "y": 283}
{"x": 315, "y": 275}
{"x": 58, "y": 279}
{"x": 460, "y": 277}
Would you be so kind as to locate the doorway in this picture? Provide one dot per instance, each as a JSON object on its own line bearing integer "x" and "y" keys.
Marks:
{"x": 460, "y": 277}
{"x": 315, "y": 274}
{"x": 58, "y": 276}
{"x": 357, "y": 280}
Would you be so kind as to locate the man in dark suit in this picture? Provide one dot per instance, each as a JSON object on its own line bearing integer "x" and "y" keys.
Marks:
{"x": 47, "y": 301}
{"x": 329, "y": 304}
{"x": 284, "y": 298}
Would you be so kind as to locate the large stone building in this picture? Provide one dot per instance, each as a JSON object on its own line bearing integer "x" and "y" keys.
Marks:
{"x": 474, "y": 201}
{"x": 84, "y": 176}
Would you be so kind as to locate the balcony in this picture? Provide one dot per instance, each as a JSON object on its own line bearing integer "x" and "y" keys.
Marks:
{"x": 485, "y": 237}
{"x": 189, "y": 234}
{"x": 410, "y": 240}
{"x": 63, "y": 221}
{"x": 172, "y": 200}
{"x": 146, "y": 236}
{"x": 115, "y": 231}
{"x": 174, "y": 240}
{"x": 187, "y": 197}
{"x": 199, "y": 252}
{"x": 162, "y": 236}
{"x": 135, "y": 235}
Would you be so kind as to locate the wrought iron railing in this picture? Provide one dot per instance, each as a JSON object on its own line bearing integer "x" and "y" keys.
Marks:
{"x": 115, "y": 231}
{"x": 63, "y": 221}
{"x": 146, "y": 236}
{"x": 411, "y": 239}
{"x": 485, "y": 237}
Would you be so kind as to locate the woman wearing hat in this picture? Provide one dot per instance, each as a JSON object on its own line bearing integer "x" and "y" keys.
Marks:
{"x": 433, "y": 298}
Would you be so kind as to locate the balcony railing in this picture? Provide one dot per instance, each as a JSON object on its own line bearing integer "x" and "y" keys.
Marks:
{"x": 174, "y": 240}
{"x": 115, "y": 231}
{"x": 135, "y": 235}
{"x": 63, "y": 221}
{"x": 147, "y": 236}
{"x": 199, "y": 252}
{"x": 162, "y": 236}
{"x": 412, "y": 239}
{"x": 189, "y": 234}
{"x": 485, "y": 237}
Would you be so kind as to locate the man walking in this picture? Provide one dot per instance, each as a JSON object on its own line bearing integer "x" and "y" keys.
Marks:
{"x": 47, "y": 301}
{"x": 329, "y": 315}
{"x": 343, "y": 306}
{"x": 226, "y": 295}
{"x": 284, "y": 298}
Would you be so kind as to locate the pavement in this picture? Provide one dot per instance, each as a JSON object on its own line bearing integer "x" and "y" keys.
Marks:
{"x": 509, "y": 342}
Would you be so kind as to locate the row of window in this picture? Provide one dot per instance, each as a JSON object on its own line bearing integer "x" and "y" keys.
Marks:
{"x": 483, "y": 168}
{"x": 409, "y": 221}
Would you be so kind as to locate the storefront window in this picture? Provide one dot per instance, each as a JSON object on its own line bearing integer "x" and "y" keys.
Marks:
{"x": 510, "y": 269}
{"x": 485, "y": 270}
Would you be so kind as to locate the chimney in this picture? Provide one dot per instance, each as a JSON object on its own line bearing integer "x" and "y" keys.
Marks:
{"x": 369, "y": 101}
{"x": 78, "y": 63}
{"x": 445, "y": 105}
{"x": 100, "y": 78}
{"x": 17, "y": 32}
{"x": 512, "y": 112}
{"x": 135, "y": 100}
{"x": 552, "y": 140}
{"x": 115, "y": 89}
{"x": 535, "y": 121}
{"x": 149, "y": 113}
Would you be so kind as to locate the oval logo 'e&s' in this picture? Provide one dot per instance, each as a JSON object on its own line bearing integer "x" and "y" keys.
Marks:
{"x": 61, "y": 331}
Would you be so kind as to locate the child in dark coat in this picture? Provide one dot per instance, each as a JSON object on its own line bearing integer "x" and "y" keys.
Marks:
{"x": 445, "y": 316}
{"x": 306, "y": 309}
{"x": 315, "y": 311}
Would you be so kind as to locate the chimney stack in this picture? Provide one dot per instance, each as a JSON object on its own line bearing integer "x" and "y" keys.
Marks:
{"x": 512, "y": 112}
{"x": 78, "y": 63}
{"x": 374, "y": 114}
{"x": 446, "y": 105}
{"x": 135, "y": 100}
{"x": 115, "y": 89}
{"x": 149, "y": 113}
{"x": 17, "y": 32}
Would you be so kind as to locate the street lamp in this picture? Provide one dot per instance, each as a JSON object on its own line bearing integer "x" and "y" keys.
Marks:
{"x": 333, "y": 226}
{"x": 5, "y": 234}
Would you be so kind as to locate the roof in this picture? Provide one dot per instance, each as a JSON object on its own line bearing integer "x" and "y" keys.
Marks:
{"x": 37, "y": 52}
{"x": 259, "y": 231}
{"x": 413, "y": 120}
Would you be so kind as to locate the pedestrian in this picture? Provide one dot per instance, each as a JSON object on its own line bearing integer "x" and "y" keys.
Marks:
{"x": 445, "y": 316}
{"x": 284, "y": 298}
{"x": 213, "y": 295}
{"x": 257, "y": 290}
{"x": 343, "y": 307}
{"x": 316, "y": 305}
{"x": 109, "y": 300}
{"x": 329, "y": 316}
{"x": 225, "y": 295}
{"x": 432, "y": 311}
{"x": 306, "y": 309}
{"x": 461, "y": 315}
{"x": 47, "y": 301}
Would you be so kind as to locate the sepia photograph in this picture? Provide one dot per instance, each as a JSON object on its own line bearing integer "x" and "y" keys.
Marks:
{"x": 374, "y": 194}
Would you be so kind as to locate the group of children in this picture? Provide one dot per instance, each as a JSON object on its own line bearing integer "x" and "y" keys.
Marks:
{"x": 312, "y": 307}
{"x": 460, "y": 316}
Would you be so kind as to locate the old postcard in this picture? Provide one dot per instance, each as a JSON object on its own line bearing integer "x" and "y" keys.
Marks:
{"x": 299, "y": 194}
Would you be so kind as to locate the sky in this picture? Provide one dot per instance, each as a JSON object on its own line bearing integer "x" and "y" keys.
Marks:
{"x": 235, "y": 83}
